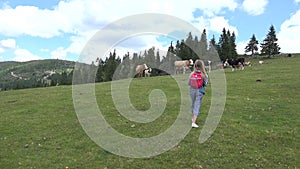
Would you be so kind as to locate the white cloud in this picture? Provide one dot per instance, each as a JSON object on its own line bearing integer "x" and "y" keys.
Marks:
{"x": 254, "y": 7}
{"x": 81, "y": 18}
{"x": 8, "y": 43}
{"x": 77, "y": 16}
{"x": 23, "y": 55}
{"x": 289, "y": 34}
{"x": 217, "y": 24}
{"x": 59, "y": 53}
{"x": 79, "y": 41}
{"x": 240, "y": 47}
{"x": 214, "y": 7}
{"x": 28, "y": 20}
{"x": 296, "y": 1}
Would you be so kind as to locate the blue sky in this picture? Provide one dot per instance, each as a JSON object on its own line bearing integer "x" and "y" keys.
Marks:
{"x": 50, "y": 29}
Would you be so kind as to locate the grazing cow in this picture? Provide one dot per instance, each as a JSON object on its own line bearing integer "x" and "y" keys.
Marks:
{"x": 158, "y": 72}
{"x": 140, "y": 69}
{"x": 183, "y": 65}
{"x": 148, "y": 72}
{"x": 235, "y": 63}
{"x": 261, "y": 62}
{"x": 248, "y": 64}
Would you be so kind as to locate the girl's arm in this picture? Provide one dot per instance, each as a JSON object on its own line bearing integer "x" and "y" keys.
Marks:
{"x": 205, "y": 82}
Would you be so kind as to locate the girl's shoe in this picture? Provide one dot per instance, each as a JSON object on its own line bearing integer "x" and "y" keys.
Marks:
{"x": 194, "y": 125}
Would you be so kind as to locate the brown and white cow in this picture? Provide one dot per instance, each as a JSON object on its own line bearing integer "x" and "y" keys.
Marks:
{"x": 183, "y": 65}
{"x": 140, "y": 69}
{"x": 248, "y": 63}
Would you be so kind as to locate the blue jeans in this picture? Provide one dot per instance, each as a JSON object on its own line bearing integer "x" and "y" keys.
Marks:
{"x": 196, "y": 96}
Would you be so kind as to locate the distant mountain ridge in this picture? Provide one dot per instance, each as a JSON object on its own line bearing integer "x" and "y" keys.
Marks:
{"x": 37, "y": 73}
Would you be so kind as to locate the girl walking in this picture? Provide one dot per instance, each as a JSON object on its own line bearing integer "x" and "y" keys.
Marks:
{"x": 198, "y": 79}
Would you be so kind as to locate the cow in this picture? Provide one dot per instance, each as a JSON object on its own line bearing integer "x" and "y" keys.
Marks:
{"x": 183, "y": 65}
{"x": 235, "y": 63}
{"x": 140, "y": 69}
{"x": 261, "y": 62}
{"x": 248, "y": 64}
{"x": 148, "y": 72}
{"x": 158, "y": 72}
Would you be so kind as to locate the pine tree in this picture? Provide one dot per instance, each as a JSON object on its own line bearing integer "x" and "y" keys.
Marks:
{"x": 182, "y": 50}
{"x": 269, "y": 45}
{"x": 232, "y": 45}
{"x": 226, "y": 47}
{"x": 212, "y": 43}
{"x": 252, "y": 45}
{"x": 223, "y": 44}
{"x": 100, "y": 70}
{"x": 196, "y": 49}
{"x": 188, "y": 53}
{"x": 134, "y": 63}
{"x": 123, "y": 70}
{"x": 150, "y": 57}
{"x": 168, "y": 61}
{"x": 212, "y": 52}
{"x": 157, "y": 59}
{"x": 203, "y": 45}
{"x": 110, "y": 66}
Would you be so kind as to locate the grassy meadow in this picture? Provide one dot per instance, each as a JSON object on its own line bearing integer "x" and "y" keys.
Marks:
{"x": 259, "y": 127}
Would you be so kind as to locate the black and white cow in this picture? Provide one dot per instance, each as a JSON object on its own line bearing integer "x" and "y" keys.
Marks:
{"x": 148, "y": 72}
{"x": 235, "y": 63}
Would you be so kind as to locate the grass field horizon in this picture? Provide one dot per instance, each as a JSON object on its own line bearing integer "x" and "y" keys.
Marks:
{"x": 259, "y": 127}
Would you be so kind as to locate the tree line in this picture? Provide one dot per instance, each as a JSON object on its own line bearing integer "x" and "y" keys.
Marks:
{"x": 193, "y": 47}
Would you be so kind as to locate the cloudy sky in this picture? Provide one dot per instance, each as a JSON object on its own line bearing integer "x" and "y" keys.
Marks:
{"x": 50, "y": 29}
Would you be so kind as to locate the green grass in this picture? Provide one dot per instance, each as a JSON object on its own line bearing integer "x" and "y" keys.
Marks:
{"x": 259, "y": 127}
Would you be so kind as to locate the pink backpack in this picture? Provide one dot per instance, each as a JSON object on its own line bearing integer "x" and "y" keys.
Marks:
{"x": 196, "y": 80}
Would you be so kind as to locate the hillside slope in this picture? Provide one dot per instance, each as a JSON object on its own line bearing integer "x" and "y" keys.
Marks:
{"x": 259, "y": 127}
{"x": 16, "y": 75}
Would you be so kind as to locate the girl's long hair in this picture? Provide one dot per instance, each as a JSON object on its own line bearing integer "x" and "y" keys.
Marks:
{"x": 199, "y": 65}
